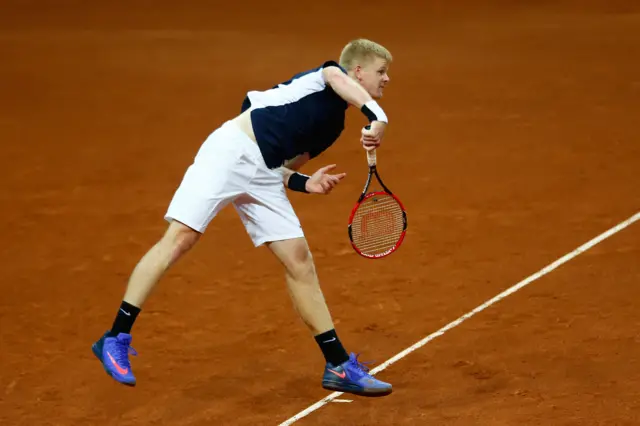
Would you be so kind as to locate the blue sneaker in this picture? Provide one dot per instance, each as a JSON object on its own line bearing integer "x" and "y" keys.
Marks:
{"x": 113, "y": 353}
{"x": 353, "y": 377}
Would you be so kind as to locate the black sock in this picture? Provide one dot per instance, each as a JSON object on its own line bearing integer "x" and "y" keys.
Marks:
{"x": 331, "y": 347}
{"x": 125, "y": 319}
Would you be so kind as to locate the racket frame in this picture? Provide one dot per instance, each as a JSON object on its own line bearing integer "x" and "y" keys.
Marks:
{"x": 373, "y": 171}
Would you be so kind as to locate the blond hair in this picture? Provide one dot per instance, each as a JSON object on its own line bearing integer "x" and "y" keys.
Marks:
{"x": 360, "y": 50}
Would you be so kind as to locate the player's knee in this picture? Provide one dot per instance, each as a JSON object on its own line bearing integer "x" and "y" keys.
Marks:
{"x": 180, "y": 238}
{"x": 300, "y": 262}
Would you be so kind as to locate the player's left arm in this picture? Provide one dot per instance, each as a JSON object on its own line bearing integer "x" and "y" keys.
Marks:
{"x": 321, "y": 182}
{"x": 297, "y": 162}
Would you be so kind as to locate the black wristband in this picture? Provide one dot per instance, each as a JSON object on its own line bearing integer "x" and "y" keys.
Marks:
{"x": 297, "y": 182}
{"x": 366, "y": 111}
{"x": 373, "y": 111}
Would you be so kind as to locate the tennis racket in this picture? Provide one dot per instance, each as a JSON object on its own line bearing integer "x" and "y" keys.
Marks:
{"x": 378, "y": 221}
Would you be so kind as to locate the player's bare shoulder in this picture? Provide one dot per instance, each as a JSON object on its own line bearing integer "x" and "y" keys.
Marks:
{"x": 331, "y": 73}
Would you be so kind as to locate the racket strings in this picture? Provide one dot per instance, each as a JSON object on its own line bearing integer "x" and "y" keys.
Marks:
{"x": 377, "y": 225}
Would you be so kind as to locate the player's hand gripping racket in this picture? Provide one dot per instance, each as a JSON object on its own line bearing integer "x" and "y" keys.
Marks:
{"x": 378, "y": 221}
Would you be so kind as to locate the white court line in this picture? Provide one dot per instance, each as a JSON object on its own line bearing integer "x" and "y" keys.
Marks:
{"x": 564, "y": 259}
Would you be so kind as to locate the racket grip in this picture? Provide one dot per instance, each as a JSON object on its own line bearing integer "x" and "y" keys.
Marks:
{"x": 371, "y": 157}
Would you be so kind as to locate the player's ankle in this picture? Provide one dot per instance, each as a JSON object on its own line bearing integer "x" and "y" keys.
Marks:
{"x": 125, "y": 318}
{"x": 331, "y": 347}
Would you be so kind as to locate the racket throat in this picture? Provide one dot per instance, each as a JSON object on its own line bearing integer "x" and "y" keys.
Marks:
{"x": 372, "y": 171}
{"x": 381, "y": 183}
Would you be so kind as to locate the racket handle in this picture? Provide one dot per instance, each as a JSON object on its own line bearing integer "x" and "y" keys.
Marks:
{"x": 371, "y": 157}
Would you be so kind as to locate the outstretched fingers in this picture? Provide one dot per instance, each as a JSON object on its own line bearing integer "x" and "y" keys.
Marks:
{"x": 337, "y": 178}
{"x": 325, "y": 169}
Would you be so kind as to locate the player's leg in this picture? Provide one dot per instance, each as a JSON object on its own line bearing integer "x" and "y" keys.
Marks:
{"x": 307, "y": 297}
{"x": 114, "y": 347}
{"x": 343, "y": 372}
{"x": 304, "y": 286}
{"x": 176, "y": 241}
{"x": 269, "y": 219}
{"x": 219, "y": 173}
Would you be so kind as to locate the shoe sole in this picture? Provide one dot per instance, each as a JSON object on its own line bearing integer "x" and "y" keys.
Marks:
{"x": 371, "y": 393}
{"x": 94, "y": 349}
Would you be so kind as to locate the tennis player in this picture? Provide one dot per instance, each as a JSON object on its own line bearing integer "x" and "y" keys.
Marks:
{"x": 249, "y": 162}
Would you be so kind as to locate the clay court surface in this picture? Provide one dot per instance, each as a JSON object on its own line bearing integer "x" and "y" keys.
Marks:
{"x": 513, "y": 140}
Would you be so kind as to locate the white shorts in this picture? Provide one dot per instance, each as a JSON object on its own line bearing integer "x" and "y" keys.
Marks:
{"x": 229, "y": 168}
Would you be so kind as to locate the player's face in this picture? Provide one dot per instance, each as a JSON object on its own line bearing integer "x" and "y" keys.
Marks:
{"x": 372, "y": 75}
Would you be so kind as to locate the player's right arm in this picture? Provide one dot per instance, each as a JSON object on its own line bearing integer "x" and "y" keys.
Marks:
{"x": 346, "y": 87}
{"x": 354, "y": 94}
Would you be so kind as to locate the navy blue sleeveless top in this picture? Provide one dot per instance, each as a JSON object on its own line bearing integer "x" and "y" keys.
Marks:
{"x": 300, "y": 115}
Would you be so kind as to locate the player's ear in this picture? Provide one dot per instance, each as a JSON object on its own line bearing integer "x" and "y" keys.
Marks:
{"x": 357, "y": 71}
